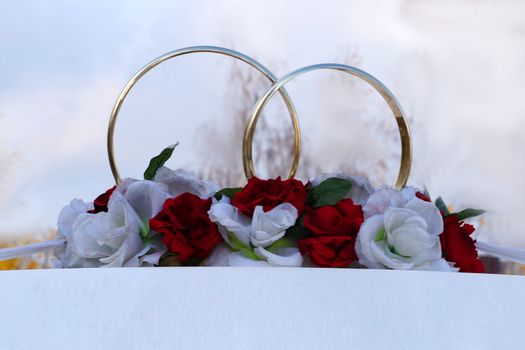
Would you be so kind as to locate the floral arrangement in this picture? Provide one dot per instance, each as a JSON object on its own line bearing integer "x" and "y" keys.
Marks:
{"x": 172, "y": 218}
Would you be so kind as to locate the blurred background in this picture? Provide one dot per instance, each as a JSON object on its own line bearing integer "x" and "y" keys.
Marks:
{"x": 455, "y": 66}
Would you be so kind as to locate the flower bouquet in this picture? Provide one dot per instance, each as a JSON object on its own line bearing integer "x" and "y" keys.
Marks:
{"x": 172, "y": 218}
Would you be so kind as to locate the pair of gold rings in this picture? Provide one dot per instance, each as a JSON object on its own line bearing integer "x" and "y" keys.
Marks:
{"x": 278, "y": 86}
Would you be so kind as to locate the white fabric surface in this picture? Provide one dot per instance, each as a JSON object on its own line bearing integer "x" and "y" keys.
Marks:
{"x": 251, "y": 308}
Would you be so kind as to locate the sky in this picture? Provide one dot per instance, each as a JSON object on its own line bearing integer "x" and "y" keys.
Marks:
{"x": 455, "y": 67}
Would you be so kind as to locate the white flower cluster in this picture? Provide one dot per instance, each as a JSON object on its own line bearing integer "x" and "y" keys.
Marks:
{"x": 113, "y": 238}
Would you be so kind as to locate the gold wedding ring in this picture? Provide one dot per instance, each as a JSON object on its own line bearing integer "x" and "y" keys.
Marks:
{"x": 402, "y": 124}
{"x": 203, "y": 49}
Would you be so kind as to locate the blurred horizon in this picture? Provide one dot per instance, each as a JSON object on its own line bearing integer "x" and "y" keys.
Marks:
{"x": 455, "y": 67}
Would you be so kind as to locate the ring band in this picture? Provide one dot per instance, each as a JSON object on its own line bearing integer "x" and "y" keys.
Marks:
{"x": 195, "y": 49}
{"x": 402, "y": 124}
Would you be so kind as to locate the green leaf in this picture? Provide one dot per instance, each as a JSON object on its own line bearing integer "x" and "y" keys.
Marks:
{"x": 284, "y": 242}
{"x": 328, "y": 192}
{"x": 440, "y": 204}
{"x": 238, "y": 246}
{"x": 469, "y": 213}
{"x": 193, "y": 261}
{"x": 168, "y": 259}
{"x": 156, "y": 162}
{"x": 228, "y": 192}
{"x": 380, "y": 235}
{"x": 248, "y": 253}
{"x": 235, "y": 242}
{"x": 296, "y": 231}
{"x": 144, "y": 231}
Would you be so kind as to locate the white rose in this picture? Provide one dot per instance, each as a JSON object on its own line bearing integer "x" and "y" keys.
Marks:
{"x": 255, "y": 235}
{"x": 179, "y": 181}
{"x": 401, "y": 232}
{"x": 231, "y": 222}
{"x": 271, "y": 226}
{"x": 112, "y": 238}
{"x": 361, "y": 186}
{"x": 145, "y": 197}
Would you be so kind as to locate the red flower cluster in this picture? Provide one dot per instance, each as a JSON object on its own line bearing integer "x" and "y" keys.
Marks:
{"x": 269, "y": 194}
{"x": 334, "y": 230}
{"x": 101, "y": 202}
{"x": 186, "y": 228}
{"x": 458, "y": 246}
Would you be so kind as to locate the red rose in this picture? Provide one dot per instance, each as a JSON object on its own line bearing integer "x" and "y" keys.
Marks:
{"x": 344, "y": 218}
{"x": 458, "y": 247}
{"x": 101, "y": 202}
{"x": 269, "y": 194}
{"x": 329, "y": 251}
{"x": 334, "y": 230}
{"x": 186, "y": 228}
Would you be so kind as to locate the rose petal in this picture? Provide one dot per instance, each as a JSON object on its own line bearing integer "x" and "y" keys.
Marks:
{"x": 382, "y": 199}
{"x": 219, "y": 256}
{"x": 365, "y": 239}
{"x": 230, "y": 221}
{"x": 437, "y": 265}
{"x": 237, "y": 259}
{"x": 68, "y": 215}
{"x": 146, "y": 198}
{"x": 179, "y": 181}
{"x": 384, "y": 256}
{"x": 268, "y": 227}
{"x": 286, "y": 257}
{"x": 411, "y": 239}
{"x": 430, "y": 213}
